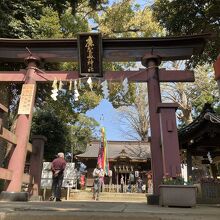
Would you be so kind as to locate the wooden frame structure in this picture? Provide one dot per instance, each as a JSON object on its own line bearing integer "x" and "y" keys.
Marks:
{"x": 36, "y": 150}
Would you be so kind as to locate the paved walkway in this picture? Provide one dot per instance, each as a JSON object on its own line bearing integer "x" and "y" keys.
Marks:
{"x": 94, "y": 210}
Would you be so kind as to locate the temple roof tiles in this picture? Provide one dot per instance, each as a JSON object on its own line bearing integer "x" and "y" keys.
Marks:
{"x": 134, "y": 150}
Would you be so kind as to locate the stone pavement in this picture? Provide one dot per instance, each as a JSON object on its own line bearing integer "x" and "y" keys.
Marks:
{"x": 94, "y": 210}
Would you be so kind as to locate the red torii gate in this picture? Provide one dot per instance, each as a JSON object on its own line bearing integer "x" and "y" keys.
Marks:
{"x": 150, "y": 51}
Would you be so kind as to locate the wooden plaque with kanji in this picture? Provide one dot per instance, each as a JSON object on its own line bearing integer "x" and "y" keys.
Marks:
{"x": 26, "y": 99}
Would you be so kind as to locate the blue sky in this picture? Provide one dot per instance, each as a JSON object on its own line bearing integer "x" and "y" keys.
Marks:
{"x": 106, "y": 115}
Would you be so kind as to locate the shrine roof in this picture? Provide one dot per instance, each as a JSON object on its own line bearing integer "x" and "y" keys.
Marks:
{"x": 135, "y": 150}
{"x": 115, "y": 50}
{"x": 202, "y": 133}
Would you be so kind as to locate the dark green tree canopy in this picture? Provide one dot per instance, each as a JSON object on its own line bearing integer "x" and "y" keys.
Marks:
{"x": 48, "y": 124}
{"x": 20, "y": 19}
{"x": 62, "y": 136}
{"x": 61, "y": 5}
{"x": 192, "y": 17}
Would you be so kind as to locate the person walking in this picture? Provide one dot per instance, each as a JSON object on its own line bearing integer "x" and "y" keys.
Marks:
{"x": 98, "y": 175}
{"x": 58, "y": 166}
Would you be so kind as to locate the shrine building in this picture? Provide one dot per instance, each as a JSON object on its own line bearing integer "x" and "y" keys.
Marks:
{"x": 124, "y": 157}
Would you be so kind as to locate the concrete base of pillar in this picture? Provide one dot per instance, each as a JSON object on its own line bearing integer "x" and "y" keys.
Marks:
{"x": 14, "y": 196}
{"x": 153, "y": 200}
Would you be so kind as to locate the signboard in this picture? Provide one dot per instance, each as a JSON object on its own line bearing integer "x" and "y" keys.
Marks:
{"x": 69, "y": 180}
{"x": 90, "y": 57}
{"x": 26, "y": 99}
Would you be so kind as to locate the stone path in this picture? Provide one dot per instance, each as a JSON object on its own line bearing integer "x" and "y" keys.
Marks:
{"x": 94, "y": 210}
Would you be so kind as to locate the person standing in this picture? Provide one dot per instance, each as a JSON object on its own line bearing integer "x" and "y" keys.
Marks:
{"x": 82, "y": 181}
{"x": 131, "y": 178}
{"x": 110, "y": 177}
{"x": 149, "y": 184}
{"x": 122, "y": 182}
{"x": 139, "y": 185}
{"x": 58, "y": 166}
{"x": 110, "y": 180}
{"x": 98, "y": 175}
{"x": 129, "y": 185}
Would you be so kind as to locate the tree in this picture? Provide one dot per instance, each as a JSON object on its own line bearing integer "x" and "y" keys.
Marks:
{"x": 117, "y": 96}
{"x": 191, "y": 97}
{"x": 19, "y": 19}
{"x": 49, "y": 25}
{"x": 28, "y": 18}
{"x": 192, "y": 17}
{"x": 81, "y": 133}
{"x": 48, "y": 124}
{"x": 66, "y": 107}
{"x": 126, "y": 19}
{"x": 205, "y": 89}
{"x": 74, "y": 24}
{"x": 62, "y": 137}
{"x": 61, "y": 5}
{"x": 134, "y": 119}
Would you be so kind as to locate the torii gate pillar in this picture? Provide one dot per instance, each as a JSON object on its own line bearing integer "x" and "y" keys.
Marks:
{"x": 169, "y": 139}
{"x": 17, "y": 160}
{"x": 217, "y": 71}
{"x": 154, "y": 98}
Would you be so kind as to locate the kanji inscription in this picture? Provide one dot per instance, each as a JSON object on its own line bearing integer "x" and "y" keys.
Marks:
{"x": 26, "y": 99}
{"x": 90, "y": 49}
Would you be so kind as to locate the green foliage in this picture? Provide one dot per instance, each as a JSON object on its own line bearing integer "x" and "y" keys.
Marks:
{"x": 45, "y": 19}
{"x": 205, "y": 89}
{"x": 178, "y": 180}
{"x": 48, "y": 124}
{"x": 65, "y": 113}
{"x": 81, "y": 133}
{"x": 62, "y": 107}
{"x": 73, "y": 24}
{"x": 117, "y": 96}
{"x": 192, "y": 17}
{"x": 61, "y": 5}
{"x": 65, "y": 107}
{"x": 191, "y": 97}
{"x": 62, "y": 136}
{"x": 124, "y": 19}
{"x": 88, "y": 100}
{"x": 19, "y": 19}
{"x": 49, "y": 25}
